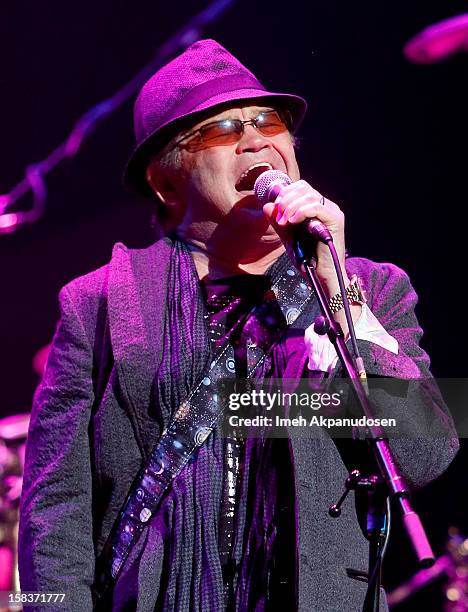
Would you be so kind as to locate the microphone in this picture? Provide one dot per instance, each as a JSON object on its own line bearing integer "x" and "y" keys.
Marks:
{"x": 268, "y": 187}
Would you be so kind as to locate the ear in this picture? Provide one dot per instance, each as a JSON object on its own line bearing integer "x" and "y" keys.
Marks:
{"x": 162, "y": 185}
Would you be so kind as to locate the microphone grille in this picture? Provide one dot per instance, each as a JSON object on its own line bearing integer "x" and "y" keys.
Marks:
{"x": 266, "y": 180}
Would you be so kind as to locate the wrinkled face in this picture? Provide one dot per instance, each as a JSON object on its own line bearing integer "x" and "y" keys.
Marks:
{"x": 216, "y": 181}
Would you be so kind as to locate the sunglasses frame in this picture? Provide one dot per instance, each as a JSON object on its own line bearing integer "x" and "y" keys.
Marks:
{"x": 283, "y": 115}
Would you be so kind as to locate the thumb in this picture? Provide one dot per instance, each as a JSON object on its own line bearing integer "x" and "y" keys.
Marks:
{"x": 269, "y": 210}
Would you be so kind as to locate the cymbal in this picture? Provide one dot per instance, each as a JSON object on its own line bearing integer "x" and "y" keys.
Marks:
{"x": 439, "y": 41}
{"x": 40, "y": 359}
{"x": 14, "y": 427}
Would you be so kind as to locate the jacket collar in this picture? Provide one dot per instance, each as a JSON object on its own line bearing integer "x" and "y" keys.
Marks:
{"x": 137, "y": 296}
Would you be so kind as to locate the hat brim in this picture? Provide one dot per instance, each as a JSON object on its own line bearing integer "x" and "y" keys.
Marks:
{"x": 134, "y": 174}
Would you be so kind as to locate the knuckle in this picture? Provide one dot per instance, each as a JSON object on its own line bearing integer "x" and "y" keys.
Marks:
{"x": 303, "y": 187}
{"x": 304, "y": 184}
{"x": 304, "y": 200}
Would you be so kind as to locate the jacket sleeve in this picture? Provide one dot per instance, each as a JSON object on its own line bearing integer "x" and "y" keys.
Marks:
{"x": 426, "y": 441}
{"x": 55, "y": 550}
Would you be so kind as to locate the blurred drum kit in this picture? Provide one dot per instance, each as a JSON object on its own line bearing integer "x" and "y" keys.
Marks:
{"x": 452, "y": 568}
{"x": 13, "y": 434}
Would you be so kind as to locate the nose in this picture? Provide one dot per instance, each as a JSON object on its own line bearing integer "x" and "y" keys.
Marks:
{"x": 252, "y": 140}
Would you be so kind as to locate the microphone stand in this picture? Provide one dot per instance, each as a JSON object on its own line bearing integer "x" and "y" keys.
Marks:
{"x": 391, "y": 482}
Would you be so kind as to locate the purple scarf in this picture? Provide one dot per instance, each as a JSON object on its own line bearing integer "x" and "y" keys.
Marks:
{"x": 191, "y": 578}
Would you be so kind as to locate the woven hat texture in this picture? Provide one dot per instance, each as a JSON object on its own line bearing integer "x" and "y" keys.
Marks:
{"x": 203, "y": 77}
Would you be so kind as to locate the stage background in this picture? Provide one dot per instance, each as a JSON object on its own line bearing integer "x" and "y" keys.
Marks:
{"x": 383, "y": 138}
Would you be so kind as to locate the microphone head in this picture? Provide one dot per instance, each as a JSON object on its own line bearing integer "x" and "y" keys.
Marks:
{"x": 266, "y": 182}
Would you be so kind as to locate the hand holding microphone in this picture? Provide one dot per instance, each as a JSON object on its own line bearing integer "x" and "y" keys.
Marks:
{"x": 287, "y": 205}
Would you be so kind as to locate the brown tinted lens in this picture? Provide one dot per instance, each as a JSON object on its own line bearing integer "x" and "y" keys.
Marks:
{"x": 229, "y": 131}
{"x": 270, "y": 124}
{"x": 222, "y": 132}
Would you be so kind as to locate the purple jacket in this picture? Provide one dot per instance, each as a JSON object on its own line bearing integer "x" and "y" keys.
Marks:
{"x": 91, "y": 429}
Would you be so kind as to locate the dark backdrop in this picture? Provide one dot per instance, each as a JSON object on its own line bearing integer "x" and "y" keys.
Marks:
{"x": 384, "y": 138}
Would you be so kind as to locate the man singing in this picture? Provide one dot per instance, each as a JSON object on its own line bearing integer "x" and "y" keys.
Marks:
{"x": 241, "y": 524}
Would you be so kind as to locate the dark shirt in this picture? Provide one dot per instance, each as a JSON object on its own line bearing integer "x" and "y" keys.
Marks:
{"x": 228, "y": 301}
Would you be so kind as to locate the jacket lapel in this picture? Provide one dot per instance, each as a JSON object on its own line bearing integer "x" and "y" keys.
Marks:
{"x": 137, "y": 296}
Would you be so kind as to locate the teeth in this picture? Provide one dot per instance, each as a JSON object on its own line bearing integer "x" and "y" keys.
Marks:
{"x": 247, "y": 179}
{"x": 260, "y": 165}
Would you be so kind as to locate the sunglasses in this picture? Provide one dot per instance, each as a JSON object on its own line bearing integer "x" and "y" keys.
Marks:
{"x": 230, "y": 131}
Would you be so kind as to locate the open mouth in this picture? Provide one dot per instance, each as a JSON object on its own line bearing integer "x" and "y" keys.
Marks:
{"x": 247, "y": 179}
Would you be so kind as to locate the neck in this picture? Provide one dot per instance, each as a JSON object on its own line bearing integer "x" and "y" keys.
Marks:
{"x": 213, "y": 264}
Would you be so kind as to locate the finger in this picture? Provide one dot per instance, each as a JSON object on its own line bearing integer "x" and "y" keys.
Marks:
{"x": 295, "y": 190}
{"x": 300, "y": 188}
{"x": 315, "y": 211}
{"x": 291, "y": 198}
{"x": 331, "y": 205}
{"x": 269, "y": 209}
{"x": 283, "y": 215}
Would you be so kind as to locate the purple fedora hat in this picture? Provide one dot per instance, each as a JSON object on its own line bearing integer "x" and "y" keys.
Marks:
{"x": 204, "y": 76}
